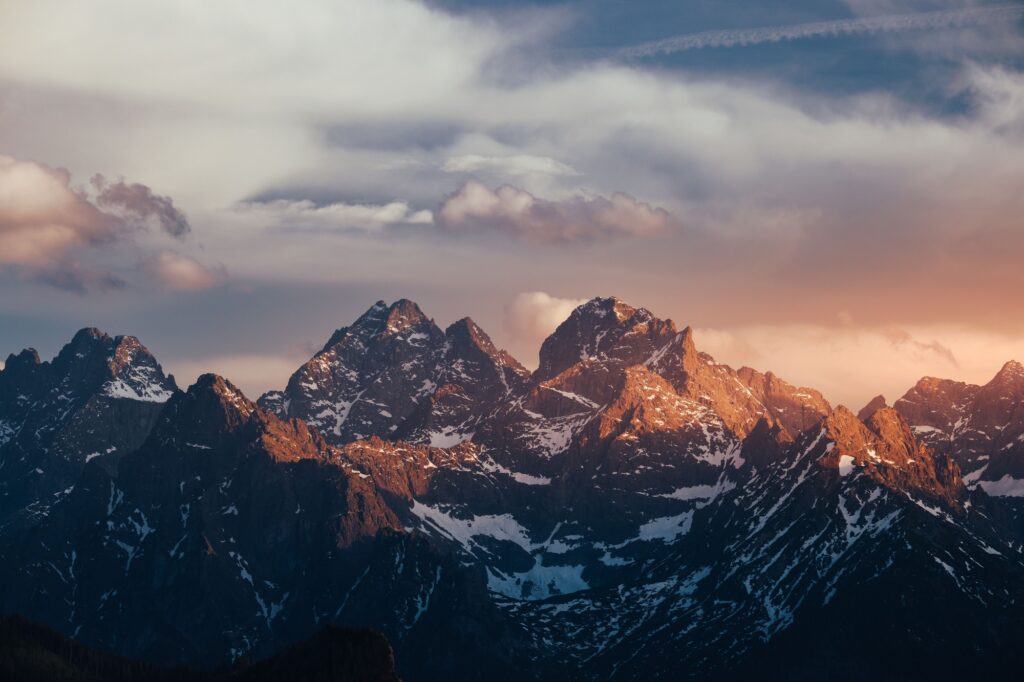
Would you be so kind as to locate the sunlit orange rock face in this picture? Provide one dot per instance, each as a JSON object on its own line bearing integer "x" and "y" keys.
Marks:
{"x": 982, "y": 427}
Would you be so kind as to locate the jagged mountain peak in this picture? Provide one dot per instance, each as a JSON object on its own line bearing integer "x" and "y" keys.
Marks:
{"x": 89, "y": 334}
{"x": 211, "y": 406}
{"x": 214, "y": 419}
{"x": 612, "y": 309}
{"x": 383, "y": 321}
{"x": 223, "y": 390}
{"x": 98, "y": 398}
{"x": 372, "y": 321}
{"x": 404, "y": 314}
{"x": 92, "y": 363}
{"x": 1011, "y": 373}
{"x": 603, "y": 328}
{"x": 873, "y": 405}
{"x": 86, "y": 343}
{"x": 393, "y": 373}
{"x": 91, "y": 343}
{"x": 888, "y": 424}
{"x": 465, "y": 335}
{"x": 840, "y": 422}
{"x": 885, "y": 449}
{"x": 610, "y": 305}
{"x": 468, "y": 330}
{"x": 688, "y": 344}
{"x": 29, "y": 357}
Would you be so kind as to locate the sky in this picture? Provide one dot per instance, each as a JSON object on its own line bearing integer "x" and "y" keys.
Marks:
{"x": 828, "y": 189}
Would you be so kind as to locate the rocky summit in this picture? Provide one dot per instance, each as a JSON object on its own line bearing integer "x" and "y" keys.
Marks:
{"x": 630, "y": 510}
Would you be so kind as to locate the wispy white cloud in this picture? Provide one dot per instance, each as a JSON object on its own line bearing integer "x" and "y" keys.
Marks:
{"x": 515, "y": 164}
{"x": 304, "y": 214}
{"x": 774, "y": 34}
{"x": 512, "y": 211}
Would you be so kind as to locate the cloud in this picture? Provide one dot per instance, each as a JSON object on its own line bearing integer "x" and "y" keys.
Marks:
{"x": 514, "y": 164}
{"x": 900, "y": 337}
{"x": 798, "y": 199}
{"x": 512, "y": 211}
{"x": 79, "y": 279}
{"x": 182, "y": 273}
{"x": 851, "y": 365}
{"x": 42, "y": 217}
{"x": 773, "y": 34}
{"x": 304, "y": 214}
{"x": 137, "y": 203}
{"x": 533, "y": 315}
{"x": 49, "y": 230}
{"x": 405, "y": 53}
{"x": 43, "y": 220}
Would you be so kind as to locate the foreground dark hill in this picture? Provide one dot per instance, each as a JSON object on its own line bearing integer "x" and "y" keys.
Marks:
{"x": 631, "y": 510}
{"x": 35, "y": 653}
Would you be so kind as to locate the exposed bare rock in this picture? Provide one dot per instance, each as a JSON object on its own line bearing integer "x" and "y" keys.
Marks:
{"x": 874, "y": 405}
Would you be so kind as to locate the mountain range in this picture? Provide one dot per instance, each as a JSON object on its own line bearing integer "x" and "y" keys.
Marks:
{"x": 632, "y": 509}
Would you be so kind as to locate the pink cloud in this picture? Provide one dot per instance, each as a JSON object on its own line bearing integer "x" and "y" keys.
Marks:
{"x": 42, "y": 217}
{"x": 47, "y": 227}
{"x": 182, "y": 273}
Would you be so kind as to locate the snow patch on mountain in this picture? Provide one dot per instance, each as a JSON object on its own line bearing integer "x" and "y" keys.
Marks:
{"x": 1007, "y": 486}
{"x": 666, "y": 528}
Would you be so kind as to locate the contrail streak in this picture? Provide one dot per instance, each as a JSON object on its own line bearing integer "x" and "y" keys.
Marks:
{"x": 774, "y": 34}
